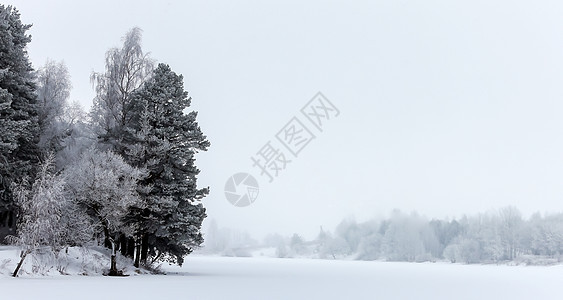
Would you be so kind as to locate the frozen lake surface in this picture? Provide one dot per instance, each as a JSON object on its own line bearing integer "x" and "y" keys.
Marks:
{"x": 270, "y": 278}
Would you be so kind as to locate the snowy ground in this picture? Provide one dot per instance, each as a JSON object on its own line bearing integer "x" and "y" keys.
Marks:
{"x": 205, "y": 277}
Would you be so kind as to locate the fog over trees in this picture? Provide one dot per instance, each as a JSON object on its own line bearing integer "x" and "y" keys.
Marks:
{"x": 499, "y": 236}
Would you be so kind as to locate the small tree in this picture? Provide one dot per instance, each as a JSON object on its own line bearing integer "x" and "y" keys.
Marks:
{"x": 297, "y": 245}
{"x": 452, "y": 252}
{"x": 105, "y": 187}
{"x": 41, "y": 210}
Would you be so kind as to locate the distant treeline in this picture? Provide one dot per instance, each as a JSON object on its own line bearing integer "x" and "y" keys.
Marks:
{"x": 494, "y": 237}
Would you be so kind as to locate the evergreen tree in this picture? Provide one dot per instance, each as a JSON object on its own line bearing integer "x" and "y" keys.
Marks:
{"x": 18, "y": 111}
{"x": 163, "y": 139}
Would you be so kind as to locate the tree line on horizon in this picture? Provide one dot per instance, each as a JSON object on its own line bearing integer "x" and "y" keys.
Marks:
{"x": 498, "y": 236}
{"x": 122, "y": 175}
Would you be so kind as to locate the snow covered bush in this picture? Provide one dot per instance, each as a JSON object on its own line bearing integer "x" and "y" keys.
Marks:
{"x": 43, "y": 229}
{"x": 104, "y": 186}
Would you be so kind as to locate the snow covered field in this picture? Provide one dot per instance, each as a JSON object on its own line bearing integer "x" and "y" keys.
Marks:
{"x": 205, "y": 277}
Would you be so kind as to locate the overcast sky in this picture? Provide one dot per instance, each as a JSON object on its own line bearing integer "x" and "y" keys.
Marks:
{"x": 446, "y": 107}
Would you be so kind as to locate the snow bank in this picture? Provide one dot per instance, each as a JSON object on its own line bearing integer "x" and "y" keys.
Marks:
{"x": 75, "y": 261}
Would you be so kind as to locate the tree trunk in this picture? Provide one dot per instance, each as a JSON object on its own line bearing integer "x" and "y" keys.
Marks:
{"x": 113, "y": 262}
{"x": 144, "y": 248}
{"x": 123, "y": 245}
{"x": 137, "y": 252}
{"x": 23, "y": 255}
{"x": 108, "y": 241}
{"x": 131, "y": 247}
{"x": 113, "y": 266}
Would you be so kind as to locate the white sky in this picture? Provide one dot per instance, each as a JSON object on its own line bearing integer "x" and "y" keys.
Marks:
{"x": 447, "y": 107}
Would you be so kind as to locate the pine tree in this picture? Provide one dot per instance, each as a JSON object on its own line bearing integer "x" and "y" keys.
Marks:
{"x": 18, "y": 111}
{"x": 163, "y": 139}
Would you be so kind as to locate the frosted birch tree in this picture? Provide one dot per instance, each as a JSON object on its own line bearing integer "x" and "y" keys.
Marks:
{"x": 42, "y": 209}
{"x": 53, "y": 91}
{"x": 127, "y": 68}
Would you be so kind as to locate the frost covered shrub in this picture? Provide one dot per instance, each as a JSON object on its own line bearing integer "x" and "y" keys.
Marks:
{"x": 104, "y": 186}
{"x": 470, "y": 251}
{"x": 48, "y": 220}
{"x": 451, "y": 253}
